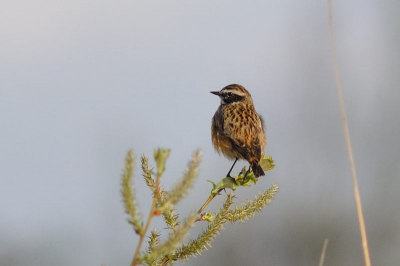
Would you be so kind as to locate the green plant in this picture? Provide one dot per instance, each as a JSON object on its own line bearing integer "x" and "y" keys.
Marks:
{"x": 172, "y": 248}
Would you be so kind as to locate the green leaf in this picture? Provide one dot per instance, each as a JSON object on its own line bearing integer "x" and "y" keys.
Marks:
{"x": 227, "y": 182}
{"x": 241, "y": 180}
{"x": 208, "y": 217}
{"x": 267, "y": 163}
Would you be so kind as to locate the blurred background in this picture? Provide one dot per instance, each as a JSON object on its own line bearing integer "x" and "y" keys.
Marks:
{"x": 81, "y": 82}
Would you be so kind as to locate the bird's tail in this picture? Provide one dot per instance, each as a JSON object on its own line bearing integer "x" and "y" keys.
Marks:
{"x": 257, "y": 170}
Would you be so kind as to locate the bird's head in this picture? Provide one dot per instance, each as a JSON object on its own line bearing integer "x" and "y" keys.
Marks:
{"x": 233, "y": 93}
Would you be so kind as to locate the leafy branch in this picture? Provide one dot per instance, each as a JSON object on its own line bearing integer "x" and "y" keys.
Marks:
{"x": 162, "y": 252}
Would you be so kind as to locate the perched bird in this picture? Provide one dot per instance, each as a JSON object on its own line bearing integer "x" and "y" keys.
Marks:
{"x": 237, "y": 130}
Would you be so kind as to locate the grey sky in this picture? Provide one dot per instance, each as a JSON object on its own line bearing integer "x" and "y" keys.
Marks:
{"x": 81, "y": 82}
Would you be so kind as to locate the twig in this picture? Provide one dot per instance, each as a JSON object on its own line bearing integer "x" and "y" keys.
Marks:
{"x": 135, "y": 260}
{"x": 210, "y": 198}
{"x": 357, "y": 196}
{"x": 321, "y": 262}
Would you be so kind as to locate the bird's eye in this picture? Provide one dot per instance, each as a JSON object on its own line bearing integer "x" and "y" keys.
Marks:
{"x": 230, "y": 94}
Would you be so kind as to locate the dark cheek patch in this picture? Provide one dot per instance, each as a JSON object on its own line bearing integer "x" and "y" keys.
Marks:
{"x": 233, "y": 98}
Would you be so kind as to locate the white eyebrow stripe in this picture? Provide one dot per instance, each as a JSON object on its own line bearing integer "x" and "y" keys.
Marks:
{"x": 234, "y": 92}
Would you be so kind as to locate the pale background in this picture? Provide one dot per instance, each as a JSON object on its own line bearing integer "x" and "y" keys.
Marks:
{"x": 81, "y": 82}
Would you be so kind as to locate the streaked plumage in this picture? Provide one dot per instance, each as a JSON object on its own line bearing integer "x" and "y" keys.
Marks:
{"x": 237, "y": 130}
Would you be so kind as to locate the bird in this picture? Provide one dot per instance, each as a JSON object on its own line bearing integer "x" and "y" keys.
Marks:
{"x": 237, "y": 130}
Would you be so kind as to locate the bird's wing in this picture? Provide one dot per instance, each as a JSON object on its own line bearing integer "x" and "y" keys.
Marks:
{"x": 246, "y": 134}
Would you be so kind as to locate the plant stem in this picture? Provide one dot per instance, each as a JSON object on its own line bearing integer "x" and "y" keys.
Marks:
{"x": 321, "y": 262}
{"x": 135, "y": 260}
{"x": 357, "y": 197}
{"x": 210, "y": 198}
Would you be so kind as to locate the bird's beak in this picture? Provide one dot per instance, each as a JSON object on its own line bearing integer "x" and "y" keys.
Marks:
{"x": 215, "y": 92}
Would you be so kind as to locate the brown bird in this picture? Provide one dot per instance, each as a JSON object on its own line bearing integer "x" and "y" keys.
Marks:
{"x": 237, "y": 130}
